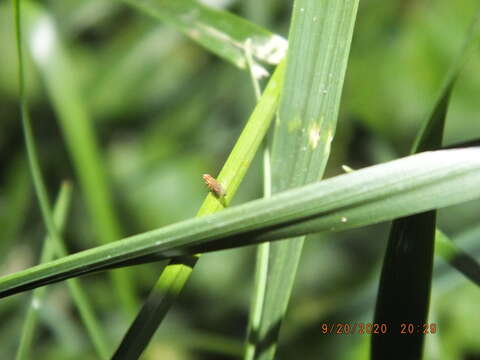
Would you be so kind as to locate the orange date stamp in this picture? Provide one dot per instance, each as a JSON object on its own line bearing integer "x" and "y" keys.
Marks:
{"x": 362, "y": 328}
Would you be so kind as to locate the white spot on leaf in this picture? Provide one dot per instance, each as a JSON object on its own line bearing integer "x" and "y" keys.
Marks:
{"x": 271, "y": 49}
{"x": 314, "y": 136}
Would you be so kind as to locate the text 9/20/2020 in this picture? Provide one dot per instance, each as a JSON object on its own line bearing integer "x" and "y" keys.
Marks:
{"x": 377, "y": 329}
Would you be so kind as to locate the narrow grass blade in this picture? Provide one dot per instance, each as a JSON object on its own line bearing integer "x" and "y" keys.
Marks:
{"x": 173, "y": 278}
{"x": 319, "y": 46}
{"x": 221, "y": 32}
{"x": 17, "y": 193}
{"x": 407, "y": 186}
{"x": 263, "y": 250}
{"x": 404, "y": 290}
{"x": 457, "y": 258}
{"x": 59, "y": 214}
{"x": 58, "y": 74}
{"x": 78, "y": 295}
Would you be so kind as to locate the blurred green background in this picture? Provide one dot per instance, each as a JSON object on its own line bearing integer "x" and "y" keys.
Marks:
{"x": 166, "y": 111}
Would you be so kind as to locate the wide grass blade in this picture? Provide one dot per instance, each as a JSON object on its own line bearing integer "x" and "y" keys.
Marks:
{"x": 58, "y": 72}
{"x": 59, "y": 216}
{"x": 404, "y": 291}
{"x": 407, "y": 186}
{"x": 173, "y": 278}
{"x": 319, "y": 46}
{"x": 81, "y": 301}
{"x": 221, "y": 32}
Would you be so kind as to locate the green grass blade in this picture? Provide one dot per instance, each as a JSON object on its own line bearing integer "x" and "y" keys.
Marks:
{"x": 319, "y": 44}
{"x": 404, "y": 290}
{"x": 87, "y": 315}
{"x": 407, "y": 186}
{"x": 223, "y": 33}
{"x": 17, "y": 191}
{"x": 79, "y": 297}
{"x": 457, "y": 258}
{"x": 430, "y": 136}
{"x": 173, "y": 278}
{"x": 160, "y": 299}
{"x": 263, "y": 250}
{"x": 58, "y": 72}
{"x": 59, "y": 214}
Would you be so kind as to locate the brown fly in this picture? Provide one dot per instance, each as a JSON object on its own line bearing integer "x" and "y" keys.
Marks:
{"x": 215, "y": 187}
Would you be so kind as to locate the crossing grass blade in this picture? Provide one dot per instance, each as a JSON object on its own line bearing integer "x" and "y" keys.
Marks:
{"x": 79, "y": 297}
{"x": 407, "y": 186}
{"x": 173, "y": 278}
{"x": 57, "y": 71}
{"x": 319, "y": 46}
{"x": 221, "y": 32}
{"x": 404, "y": 290}
{"x": 59, "y": 215}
